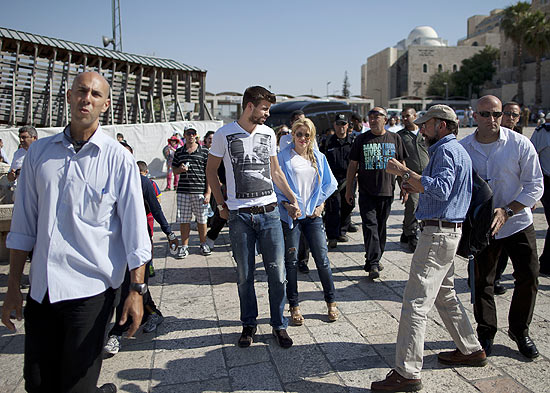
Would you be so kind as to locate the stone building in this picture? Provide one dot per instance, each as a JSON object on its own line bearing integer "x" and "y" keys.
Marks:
{"x": 406, "y": 68}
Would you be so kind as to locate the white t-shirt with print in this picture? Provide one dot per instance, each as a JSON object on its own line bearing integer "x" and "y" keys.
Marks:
{"x": 247, "y": 164}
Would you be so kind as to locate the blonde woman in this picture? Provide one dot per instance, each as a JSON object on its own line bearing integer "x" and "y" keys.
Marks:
{"x": 310, "y": 178}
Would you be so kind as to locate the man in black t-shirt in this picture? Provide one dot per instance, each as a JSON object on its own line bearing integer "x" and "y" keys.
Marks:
{"x": 193, "y": 191}
{"x": 369, "y": 155}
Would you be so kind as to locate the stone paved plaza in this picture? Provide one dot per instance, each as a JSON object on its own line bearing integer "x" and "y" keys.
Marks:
{"x": 195, "y": 349}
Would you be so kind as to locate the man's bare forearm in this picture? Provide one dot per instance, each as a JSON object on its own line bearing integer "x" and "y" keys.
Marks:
{"x": 17, "y": 264}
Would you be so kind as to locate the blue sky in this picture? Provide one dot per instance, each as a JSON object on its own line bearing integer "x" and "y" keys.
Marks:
{"x": 295, "y": 47}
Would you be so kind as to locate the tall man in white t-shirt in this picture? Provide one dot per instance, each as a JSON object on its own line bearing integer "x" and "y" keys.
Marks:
{"x": 248, "y": 149}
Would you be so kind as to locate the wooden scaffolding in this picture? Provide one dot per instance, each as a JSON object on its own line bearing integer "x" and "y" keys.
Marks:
{"x": 36, "y": 72}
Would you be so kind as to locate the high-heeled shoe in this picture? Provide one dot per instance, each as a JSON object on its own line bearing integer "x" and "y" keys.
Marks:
{"x": 296, "y": 316}
{"x": 332, "y": 312}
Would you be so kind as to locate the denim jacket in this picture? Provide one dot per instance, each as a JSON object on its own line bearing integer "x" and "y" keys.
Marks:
{"x": 322, "y": 191}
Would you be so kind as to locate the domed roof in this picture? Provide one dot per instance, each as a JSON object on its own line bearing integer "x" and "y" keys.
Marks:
{"x": 422, "y": 32}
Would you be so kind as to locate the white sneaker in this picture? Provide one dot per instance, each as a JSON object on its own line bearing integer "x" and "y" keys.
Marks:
{"x": 113, "y": 345}
{"x": 183, "y": 251}
{"x": 210, "y": 243}
{"x": 205, "y": 250}
{"x": 153, "y": 320}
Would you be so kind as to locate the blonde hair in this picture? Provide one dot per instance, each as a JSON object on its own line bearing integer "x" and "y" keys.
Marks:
{"x": 305, "y": 122}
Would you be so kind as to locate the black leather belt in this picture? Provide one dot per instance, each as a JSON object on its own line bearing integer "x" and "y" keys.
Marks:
{"x": 258, "y": 209}
{"x": 444, "y": 224}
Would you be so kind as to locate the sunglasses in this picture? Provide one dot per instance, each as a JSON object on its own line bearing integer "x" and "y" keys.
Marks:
{"x": 300, "y": 134}
{"x": 376, "y": 113}
{"x": 511, "y": 114}
{"x": 190, "y": 133}
{"x": 496, "y": 115}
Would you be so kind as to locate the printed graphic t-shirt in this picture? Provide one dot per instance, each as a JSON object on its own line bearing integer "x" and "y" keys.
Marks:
{"x": 373, "y": 152}
{"x": 246, "y": 158}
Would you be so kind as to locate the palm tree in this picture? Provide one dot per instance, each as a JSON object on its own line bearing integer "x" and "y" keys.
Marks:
{"x": 537, "y": 43}
{"x": 514, "y": 26}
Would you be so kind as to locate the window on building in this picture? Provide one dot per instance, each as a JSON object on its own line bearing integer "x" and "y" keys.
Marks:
{"x": 455, "y": 68}
{"x": 439, "y": 68}
{"x": 424, "y": 68}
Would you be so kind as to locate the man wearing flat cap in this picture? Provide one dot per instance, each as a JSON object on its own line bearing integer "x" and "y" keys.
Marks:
{"x": 445, "y": 188}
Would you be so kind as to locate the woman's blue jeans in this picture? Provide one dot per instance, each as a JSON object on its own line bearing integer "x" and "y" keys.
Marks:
{"x": 314, "y": 231}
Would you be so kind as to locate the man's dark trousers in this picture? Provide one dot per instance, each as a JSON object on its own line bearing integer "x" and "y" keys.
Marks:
{"x": 375, "y": 211}
{"x": 337, "y": 213}
{"x": 64, "y": 343}
{"x": 545, "y": 256}
{"x": 522, "y": 249}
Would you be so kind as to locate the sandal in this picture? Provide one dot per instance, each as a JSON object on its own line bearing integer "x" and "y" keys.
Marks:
{"x": 296, "y": 316}
{"x": 332, "y": 312}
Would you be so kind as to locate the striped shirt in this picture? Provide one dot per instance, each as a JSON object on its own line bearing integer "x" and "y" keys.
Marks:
{"x": 194, "y": 180}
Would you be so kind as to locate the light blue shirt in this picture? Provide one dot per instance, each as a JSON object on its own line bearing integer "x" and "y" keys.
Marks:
{"x": 83, "y": 215}
{"x": 322, "y": 190}
{"x": 447, "y": 182}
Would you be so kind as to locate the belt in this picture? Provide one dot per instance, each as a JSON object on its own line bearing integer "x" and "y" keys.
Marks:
{"x": 258, "y": 209}
{"x": 444, "y": 224}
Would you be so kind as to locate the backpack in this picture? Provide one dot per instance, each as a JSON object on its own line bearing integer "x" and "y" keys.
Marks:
{"x": 476, "y": 229}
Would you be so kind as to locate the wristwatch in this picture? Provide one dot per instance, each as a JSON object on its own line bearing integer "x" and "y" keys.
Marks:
{"x": 509, "y": 212}
{"x": 139, "y": 288}
{"x": 221, "y": 206}
{"x": 406, "y": 176}
{"x": 171, "y": 236}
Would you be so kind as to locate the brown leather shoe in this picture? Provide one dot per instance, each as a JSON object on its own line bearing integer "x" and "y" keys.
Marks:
{"x": 396, "y": 383}
{"x": 283, "y": 339}
{"x": 456, "y": 358}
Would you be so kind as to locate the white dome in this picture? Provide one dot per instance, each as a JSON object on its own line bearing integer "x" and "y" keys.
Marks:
{"x": 422, "y": 32}
{"x": 432, "y": 42}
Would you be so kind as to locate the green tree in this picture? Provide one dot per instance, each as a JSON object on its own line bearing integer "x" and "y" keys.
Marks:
{"x": 537, "y": 43}
{"x": 345, "y": 86}
{"x": 474, "y": 72}
{"x": 437, "y": 87}
{"x": 514, "y": 24}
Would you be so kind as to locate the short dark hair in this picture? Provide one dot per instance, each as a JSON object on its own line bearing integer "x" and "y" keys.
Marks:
{"x": 208, "y": 134}
{"x": 30, "y": 129}
{"x": 355, "y": 116}
{"x": 408, "y": 108}
{"x": 142, "y": 165}
{"x": 511, "y": 103}
{"x": 255, "y": 95}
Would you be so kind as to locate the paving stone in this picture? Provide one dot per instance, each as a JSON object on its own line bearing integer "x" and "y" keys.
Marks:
{"x": 499, "y": 385}
{"x": 329, "y": 383}
{"x": 211, "y": 386}
{"x": 255, "y": 377}
{"x": 307, "y": 359}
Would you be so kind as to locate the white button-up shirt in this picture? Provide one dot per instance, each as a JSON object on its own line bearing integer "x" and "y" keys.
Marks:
{"x": 82, "y": 213}
{"x": 513, "y": 173}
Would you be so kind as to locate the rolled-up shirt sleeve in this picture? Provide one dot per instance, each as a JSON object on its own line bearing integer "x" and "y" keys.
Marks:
{"x": 531, "y": 177}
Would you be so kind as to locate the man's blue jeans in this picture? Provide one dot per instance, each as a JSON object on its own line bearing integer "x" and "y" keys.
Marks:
{"x": 245, "y": 229}
{"x": 314, "y": 232}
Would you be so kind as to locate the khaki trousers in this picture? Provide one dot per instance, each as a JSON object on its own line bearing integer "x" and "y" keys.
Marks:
{"x": 431, "y": 281}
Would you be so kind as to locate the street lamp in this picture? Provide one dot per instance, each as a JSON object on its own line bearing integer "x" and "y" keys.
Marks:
{"x": 328, "y": 83}
{"x": 446, "y": 91}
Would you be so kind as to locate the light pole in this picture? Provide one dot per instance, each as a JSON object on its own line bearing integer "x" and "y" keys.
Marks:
{"x": 446, "y": 91}
{"x": 328, "y": 83}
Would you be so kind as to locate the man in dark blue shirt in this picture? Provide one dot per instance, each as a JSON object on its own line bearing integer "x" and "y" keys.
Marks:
{"x": 445, "y": 189}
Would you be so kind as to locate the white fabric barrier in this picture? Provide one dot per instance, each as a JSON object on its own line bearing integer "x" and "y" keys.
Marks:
{"x": 146, "y": 139}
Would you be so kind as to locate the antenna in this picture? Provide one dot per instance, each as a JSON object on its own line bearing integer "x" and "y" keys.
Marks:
{"x": 117, "y": 26}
